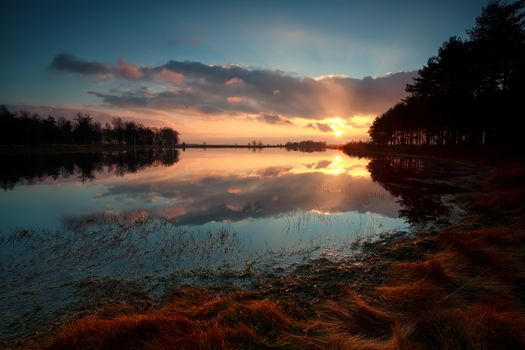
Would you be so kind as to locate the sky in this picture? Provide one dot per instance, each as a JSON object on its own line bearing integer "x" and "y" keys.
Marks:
{"x": 224, "y": 71}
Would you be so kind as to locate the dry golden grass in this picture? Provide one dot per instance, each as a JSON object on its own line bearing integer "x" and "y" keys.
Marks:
{"x": 195, "y": 319}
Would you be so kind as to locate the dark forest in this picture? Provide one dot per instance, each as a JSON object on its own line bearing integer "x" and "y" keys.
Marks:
{"x": 470, "y": 93}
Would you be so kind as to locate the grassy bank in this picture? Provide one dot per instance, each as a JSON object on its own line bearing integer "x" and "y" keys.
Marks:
{"x": 461, "y": 287}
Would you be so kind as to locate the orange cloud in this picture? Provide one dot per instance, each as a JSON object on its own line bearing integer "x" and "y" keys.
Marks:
{"x": 234, "y": 82}
{"x": 166, "y": 75}
{"x": 129, "y": 70}
{"x": 273, "y": 119}
{"x": 234, "y": 100}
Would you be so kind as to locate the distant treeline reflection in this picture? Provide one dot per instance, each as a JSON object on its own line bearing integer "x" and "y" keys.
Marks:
{"x": 28, "y": 169}
{"x": 418, "y": 183}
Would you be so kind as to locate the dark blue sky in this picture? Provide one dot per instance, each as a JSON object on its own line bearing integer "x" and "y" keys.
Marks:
{"x": 302, "y": 38}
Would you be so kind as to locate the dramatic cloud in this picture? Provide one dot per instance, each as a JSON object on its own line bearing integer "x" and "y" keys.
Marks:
{"x": 239, "y": 90}
{"x": 234, "y": 100}
{"x": 73, "y": 64}
{"x": 319, "y": 126}
{"x": 168, "y": 76}
{"x": 128, "y": 70}
{"x": 324, "y": 127}
{"x": 234, "y": 82}
{"x": 273, "y": 119}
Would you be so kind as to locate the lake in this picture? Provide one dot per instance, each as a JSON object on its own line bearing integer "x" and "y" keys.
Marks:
{"x": 78, "y": 227}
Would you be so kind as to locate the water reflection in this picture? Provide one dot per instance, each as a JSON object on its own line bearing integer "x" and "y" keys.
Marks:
{"x": 267, "y": 192}
{"x": 421, "y": 185}
{"x": 31, "y": 169}
{"x": 152, "y": 221}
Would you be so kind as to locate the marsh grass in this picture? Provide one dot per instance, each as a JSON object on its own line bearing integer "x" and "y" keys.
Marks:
{"x": 460, "y": 288}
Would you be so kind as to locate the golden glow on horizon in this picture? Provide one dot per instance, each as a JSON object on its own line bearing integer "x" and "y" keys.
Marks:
{"x": 337, "y": 121}
{"x": 362, "y": 121}
{"x": 196, "y": 164}
{"x": 337, "y": 165}
{"x": 196, "y": 127}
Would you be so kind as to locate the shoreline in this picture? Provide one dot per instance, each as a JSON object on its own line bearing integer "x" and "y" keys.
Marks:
{"x": 397, "y": 282}
{"x": 355, "y": 149}
{"x": 432, "y": 151}
{"x": 7, "y": 150}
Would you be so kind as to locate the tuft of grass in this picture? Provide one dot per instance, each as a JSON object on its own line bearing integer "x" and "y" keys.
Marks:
{"x": 193, "y": 319}
{"x": 505, "y": 192}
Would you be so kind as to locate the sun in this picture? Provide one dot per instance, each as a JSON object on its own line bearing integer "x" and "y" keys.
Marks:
{"x": 338, "y": 133}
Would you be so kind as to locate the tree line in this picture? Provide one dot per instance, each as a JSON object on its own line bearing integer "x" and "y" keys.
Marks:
{"x": 31, "y": 129}
{"x": 470, "y": 93}
{"x": 305, "y": 146}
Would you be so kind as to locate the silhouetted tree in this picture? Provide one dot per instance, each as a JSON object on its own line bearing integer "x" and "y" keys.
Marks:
{"x": 118, "y": 130}
{"x": 65, "y": 131}
{"x": 305, "y": 146}
{"x": 84, "y": 131}
{"x": 168, "y": 137}
{"x": 22, "y": 128}
{"x": 470, "y": 92}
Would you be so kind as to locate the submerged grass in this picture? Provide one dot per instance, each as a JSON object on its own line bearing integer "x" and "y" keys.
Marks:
{"x": 460, "y": 288}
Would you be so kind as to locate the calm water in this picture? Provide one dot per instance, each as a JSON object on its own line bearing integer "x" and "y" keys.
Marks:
{"x": 79, "y": 227}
